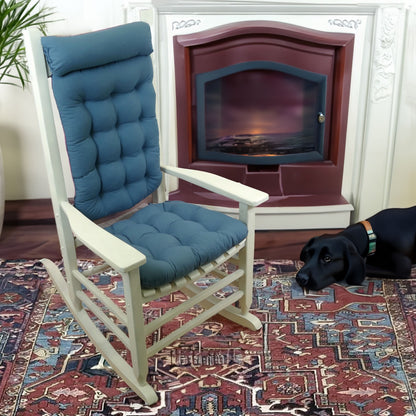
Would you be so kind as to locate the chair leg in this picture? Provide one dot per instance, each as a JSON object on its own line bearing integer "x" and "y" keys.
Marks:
{"x": 246, "y": 258}
{"x": 135, "y": 325}
{"x": 134, "y": 375}
{"x": 246, "y": 281}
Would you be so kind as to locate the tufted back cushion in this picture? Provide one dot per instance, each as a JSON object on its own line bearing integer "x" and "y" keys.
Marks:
{"x": 102, "y": 83}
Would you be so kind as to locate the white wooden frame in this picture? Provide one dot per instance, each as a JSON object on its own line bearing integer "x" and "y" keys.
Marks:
{"x": 84, "y": 298}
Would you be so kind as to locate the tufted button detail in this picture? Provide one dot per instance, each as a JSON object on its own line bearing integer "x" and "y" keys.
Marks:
{"x": 177, "y": 238}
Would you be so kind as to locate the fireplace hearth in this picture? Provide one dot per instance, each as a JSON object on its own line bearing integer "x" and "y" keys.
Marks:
{"x": 266, "y": 104}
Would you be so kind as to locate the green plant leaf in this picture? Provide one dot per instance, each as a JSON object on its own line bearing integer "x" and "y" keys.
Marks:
{"x": 15, "y": 16}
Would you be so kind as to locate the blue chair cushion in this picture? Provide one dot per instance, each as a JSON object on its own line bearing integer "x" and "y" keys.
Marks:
{"x": 66, "y": 54}
{"x": 176, "y": 238}
{"x": 103, "y": 87}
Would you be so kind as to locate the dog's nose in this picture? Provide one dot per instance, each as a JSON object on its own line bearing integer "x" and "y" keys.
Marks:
{"x": 302, "y": 279}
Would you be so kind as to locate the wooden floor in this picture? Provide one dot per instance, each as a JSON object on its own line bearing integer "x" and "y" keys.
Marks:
{"x": 29, "y": 233}
{"x": 38, "y": 241}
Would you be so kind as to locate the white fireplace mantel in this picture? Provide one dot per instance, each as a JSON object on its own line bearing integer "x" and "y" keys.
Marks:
{"x": 379, "y": 28}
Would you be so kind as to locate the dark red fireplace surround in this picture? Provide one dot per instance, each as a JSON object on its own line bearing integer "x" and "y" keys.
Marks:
{"x": 297, "y": 184}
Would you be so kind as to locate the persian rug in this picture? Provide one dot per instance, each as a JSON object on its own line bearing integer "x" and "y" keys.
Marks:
{"x": 340, "y": 351}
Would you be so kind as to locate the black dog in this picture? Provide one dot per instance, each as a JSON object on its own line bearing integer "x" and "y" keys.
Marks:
{"x": 384, "y": 246}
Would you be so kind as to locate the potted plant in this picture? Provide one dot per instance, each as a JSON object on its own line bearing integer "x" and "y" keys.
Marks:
{"x": 15, "y": 16}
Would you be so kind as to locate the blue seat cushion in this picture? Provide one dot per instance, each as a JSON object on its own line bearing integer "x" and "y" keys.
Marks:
{"x": 176, "y": 238}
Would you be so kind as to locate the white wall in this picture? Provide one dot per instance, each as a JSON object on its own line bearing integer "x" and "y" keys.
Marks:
{"x": 25, "y": 175}
{"x": 403, "y": 186}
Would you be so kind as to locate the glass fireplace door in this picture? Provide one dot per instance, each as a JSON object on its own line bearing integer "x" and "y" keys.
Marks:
{"x": 260, "y": 113}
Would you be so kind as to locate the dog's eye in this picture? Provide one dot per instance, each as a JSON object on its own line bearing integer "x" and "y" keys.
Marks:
{"x": 327, "y": 258}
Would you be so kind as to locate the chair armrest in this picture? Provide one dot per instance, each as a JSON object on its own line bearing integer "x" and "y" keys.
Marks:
{"x": 215, "y": 183}
{"x": 117, "y": 253}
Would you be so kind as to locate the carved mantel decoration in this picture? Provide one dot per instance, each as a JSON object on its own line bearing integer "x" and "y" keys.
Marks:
{"x": 384, "y": 58}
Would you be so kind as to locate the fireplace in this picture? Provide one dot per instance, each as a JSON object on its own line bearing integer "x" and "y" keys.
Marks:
{"x": 266, "y": 104}
{"x": 373, "y": 172}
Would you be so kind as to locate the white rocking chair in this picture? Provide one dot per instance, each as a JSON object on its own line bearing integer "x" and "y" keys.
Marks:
{"x": 102, "y": 82}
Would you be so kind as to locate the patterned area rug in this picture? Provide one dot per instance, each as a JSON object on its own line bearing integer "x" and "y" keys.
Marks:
{"x": 339, "y": 351}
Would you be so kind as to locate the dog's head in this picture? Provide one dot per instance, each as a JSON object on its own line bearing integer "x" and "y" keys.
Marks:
{"x": 329, "y": 259}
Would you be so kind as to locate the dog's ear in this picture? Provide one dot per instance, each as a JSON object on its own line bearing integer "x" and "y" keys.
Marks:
{"x": 303, "y": 254}
{"x": 355, "y": 264}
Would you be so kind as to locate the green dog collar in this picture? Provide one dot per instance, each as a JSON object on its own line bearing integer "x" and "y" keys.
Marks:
{"x": 372, "y": 238}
